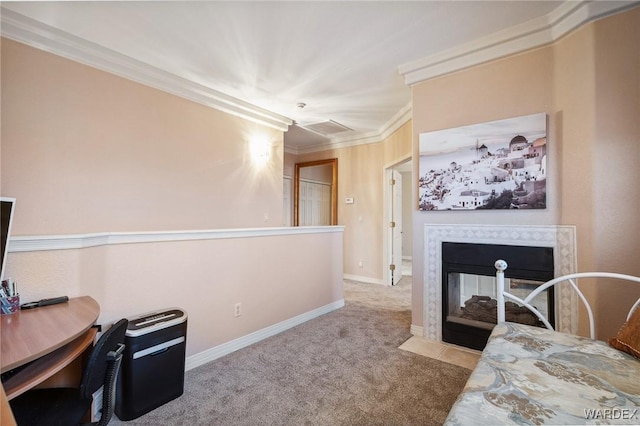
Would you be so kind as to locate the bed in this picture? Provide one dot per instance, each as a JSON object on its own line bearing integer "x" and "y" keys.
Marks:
{"x": 533, "y": 375}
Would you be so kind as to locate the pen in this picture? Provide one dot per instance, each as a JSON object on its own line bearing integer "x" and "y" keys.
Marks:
{"x": 5, "y": 288}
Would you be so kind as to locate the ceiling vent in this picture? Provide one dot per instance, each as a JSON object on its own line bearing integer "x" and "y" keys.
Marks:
{"x": 327, "y": 128}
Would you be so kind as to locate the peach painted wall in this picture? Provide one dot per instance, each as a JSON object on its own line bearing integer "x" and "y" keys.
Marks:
{"x": 398, "y": 145}
{"x": 87, "y": 151}
{"x": 574, "y": 93}
{"x": 575, "y": 99}
{"x": 321, "y": 173}
{"x": 274, "y": 277}
{"x": 616, "y": 228}
{"x": 361, "y": 177}
{"x": 588, "y": 85}
{"x": 290, "y": 161}
{"x": 358, "y": 178}
{"x": 515, "y": 86}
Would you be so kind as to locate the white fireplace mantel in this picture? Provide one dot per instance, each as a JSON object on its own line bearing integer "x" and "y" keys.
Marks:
{"x": 562, "y": 238}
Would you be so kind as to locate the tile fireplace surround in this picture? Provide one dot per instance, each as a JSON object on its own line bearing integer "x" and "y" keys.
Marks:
{"x": 560, "y": 237}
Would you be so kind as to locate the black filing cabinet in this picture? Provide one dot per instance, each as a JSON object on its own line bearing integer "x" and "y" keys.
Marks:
{"x": 152, "y": 371}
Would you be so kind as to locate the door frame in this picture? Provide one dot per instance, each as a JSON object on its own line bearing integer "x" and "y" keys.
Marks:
{"x": 386, "y": 201}
{"x": 333, "y": 162}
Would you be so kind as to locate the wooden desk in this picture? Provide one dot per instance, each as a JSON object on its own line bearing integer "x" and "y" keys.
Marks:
{"x": 51, "y": 336}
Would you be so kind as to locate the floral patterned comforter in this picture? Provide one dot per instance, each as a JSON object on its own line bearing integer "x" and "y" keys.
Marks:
{"x": 531, "y": 375}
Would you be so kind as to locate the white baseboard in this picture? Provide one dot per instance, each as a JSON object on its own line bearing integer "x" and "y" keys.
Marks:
{"x": 214, "y": 353}
{"x": 417, "y": 330}
{"x": 363, "y": 279}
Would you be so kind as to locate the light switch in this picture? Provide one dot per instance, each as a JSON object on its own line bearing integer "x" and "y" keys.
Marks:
{"x": 348, "y": 200}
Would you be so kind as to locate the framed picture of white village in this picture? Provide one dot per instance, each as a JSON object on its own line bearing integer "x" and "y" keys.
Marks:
{"x": 496, "y": 165}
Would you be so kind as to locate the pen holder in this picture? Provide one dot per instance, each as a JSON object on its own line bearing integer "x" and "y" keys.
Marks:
{"x": 10, "y": 305}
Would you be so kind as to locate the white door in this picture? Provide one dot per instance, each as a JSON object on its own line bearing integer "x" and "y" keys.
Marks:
{"x": 314, "y": 204}
{"x": 395, "y": 227}
{"x": 287, "y": 208}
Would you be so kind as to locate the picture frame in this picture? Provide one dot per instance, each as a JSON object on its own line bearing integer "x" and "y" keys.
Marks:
{"x": 488, "y": 166}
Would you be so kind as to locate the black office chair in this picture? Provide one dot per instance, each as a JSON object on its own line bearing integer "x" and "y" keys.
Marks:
{"x": 67, "y": 406}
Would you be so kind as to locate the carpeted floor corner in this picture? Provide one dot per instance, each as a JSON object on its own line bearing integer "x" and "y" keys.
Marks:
{"x": 343, "y": 368}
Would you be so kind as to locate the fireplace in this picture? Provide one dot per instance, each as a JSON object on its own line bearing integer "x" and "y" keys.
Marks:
{"x": 469, "y": 302}
{"x": 560, "y": 238}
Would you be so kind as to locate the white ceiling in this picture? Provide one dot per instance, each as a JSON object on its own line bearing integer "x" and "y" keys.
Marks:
{"x": 348, "y": 61}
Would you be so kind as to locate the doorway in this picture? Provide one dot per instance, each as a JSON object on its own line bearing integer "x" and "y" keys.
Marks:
{"x": 398, "y": 221}
{"x": 315, "y": 193}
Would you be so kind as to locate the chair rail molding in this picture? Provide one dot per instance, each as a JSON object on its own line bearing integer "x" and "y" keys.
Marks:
{"x": 78, "y": 241}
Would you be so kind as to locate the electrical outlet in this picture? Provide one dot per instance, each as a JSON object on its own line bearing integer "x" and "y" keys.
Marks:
{"x": 360, "y": 264}
{"x": 237, "y": 309}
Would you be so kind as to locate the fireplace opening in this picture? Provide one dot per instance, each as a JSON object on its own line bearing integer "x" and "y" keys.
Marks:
{"x": 469, "y": 289}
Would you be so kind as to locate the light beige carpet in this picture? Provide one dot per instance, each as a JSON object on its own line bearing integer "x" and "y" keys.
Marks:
{"x": 343, "y": 368}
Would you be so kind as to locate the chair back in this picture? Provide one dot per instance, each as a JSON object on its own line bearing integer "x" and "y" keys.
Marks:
{"x": 95, "y": 371}
{"x": 503, "y": 294}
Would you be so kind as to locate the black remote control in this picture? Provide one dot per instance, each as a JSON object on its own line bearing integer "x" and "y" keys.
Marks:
{"x": 45, "y": 302}
{"x": 53, "y": 301}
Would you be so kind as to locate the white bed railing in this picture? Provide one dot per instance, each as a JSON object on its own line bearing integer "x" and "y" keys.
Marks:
{"x": 502, "y": 294}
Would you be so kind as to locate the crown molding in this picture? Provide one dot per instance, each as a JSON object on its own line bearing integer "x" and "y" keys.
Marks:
{"x": 28, "y": 31}
{"x": 528, "y": 35}
{"x": 397, "y": 121}
{"x": 534, "y": 33}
